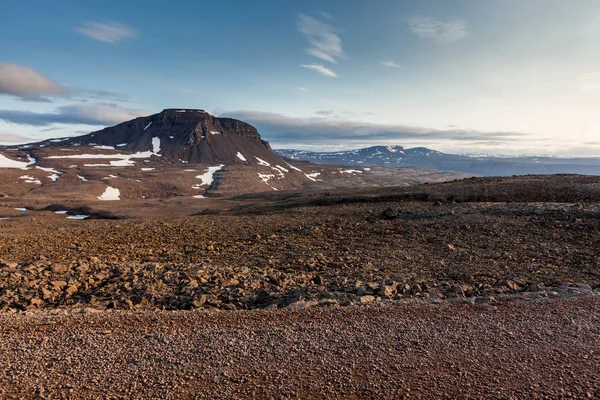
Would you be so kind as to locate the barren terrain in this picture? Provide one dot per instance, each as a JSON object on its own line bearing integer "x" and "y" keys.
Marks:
{"x": 447, "y": 290}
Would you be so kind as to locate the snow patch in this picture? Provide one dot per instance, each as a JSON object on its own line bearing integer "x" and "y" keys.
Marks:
{"x": 262, "y": 162}
{"x": 6, "y": 162}
{"x": 215, "y": 133}
{"x": 78, "y": 217}
{"x": 350, "y": 171}
{"x": 55, "y": 174}
{"x": 266, "y": 178}
{"x": 119, "y": 160}
{"x": 240, "y": 156}
{"x": 199, "y": 196}
{"x": 312, "y": 176}
{"x": 281, "y": 175}
{"x": 110, "y": 194}
{"x": 155, "y": 145}
{"x": 147, "y": 169}
{"x": 21, "y": 209}
{"x": 83, "y": 178}
{"x": 281, "y": 168}
{"x": 122, "y": 144}
{"x": 294, "y": 168}
{"x": 207, "y": 177}
{"x": 148, "y": 126}
{"x": 60, "y": 212}
{"x": 105, "y": 147}
{"x": 30, "y": 179}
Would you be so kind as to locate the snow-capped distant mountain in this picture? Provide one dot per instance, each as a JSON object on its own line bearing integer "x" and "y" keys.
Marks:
{"x": 398, "y": 156}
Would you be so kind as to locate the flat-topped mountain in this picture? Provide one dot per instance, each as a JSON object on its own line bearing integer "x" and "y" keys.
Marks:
{"x": 188, "y": 135}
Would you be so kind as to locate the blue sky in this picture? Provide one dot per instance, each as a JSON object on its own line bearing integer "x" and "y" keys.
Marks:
{"x": 507, "y": 77}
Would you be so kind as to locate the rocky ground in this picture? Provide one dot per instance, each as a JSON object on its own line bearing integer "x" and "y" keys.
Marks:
{"x": 276, "y": 254}
{"x": 506, "y": 270}
{"x": 522, "y": 350}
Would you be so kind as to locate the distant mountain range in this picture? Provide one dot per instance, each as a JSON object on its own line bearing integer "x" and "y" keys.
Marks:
{"x": 398, "y": 156}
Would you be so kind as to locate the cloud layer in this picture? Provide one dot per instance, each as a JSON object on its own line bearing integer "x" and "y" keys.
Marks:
{"x": 320, "y": 69}
{"x": 390, "y": 64}
{"x": 325, "y": 44}
{"x": 440, "y": 30}
{"x": 108, "y": 32}
{"x": 86, "y": 114}
{"x": 284, "y": 130}
{"x": 27, "y": 84}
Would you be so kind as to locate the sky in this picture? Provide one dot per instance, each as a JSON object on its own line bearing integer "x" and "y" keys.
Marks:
{"x": 507, "y": 77}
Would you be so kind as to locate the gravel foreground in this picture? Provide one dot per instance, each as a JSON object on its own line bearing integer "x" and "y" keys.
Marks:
{"x": 536, "y": 349}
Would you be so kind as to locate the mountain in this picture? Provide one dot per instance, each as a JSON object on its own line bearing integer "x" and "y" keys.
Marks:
{"x": 421, "y": 157}
{"x": 188, "y": 135}
{"x": 175, "y": 153}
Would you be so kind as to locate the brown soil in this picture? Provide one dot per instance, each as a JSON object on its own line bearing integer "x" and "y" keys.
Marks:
{"x": 519, "y": 351}
{"x": 480, "y": 288}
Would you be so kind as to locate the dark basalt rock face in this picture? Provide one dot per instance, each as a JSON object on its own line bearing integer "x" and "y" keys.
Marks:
{"x": 189, "y": 135}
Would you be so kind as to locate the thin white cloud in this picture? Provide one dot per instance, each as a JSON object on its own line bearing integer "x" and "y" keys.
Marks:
{"x": 109, "y": 32}
{"x": 28, "y": 84}
{"x": 322, "y": 55}
{"x": 325, "y": 44}
{"x": 440, "y": 30}
{"x": 320, "y": 69}
{"x": 390, "y": 64}
{"x": 303, "y": 89}
{"x": 86, "y": 114}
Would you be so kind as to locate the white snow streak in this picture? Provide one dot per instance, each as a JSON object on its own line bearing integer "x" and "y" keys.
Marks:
{"x": 294, "y": 168}
{"x": 78, "y": 216}
{"x": 262, "y": 162}
{"x": 312, "y": 176}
